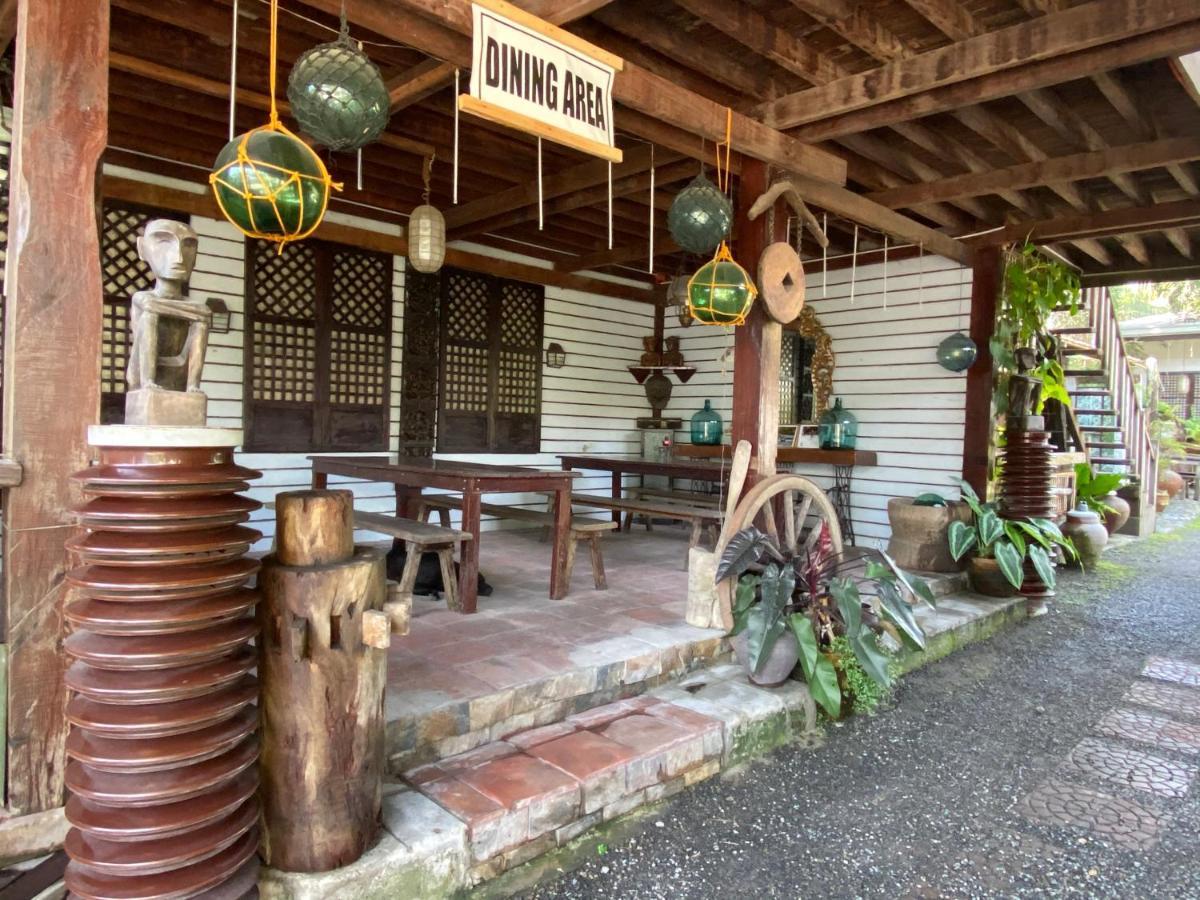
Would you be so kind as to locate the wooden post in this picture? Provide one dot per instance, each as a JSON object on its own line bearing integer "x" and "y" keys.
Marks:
{"x": 51, "y": 383}
{"x": 323, "y": 668}
{"x": 977, "y": 438}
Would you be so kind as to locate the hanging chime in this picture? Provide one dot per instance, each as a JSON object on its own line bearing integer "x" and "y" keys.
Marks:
{"x": 338, "y": 95}
{"x": 267, "y": 182}
{"x": 426, "y": 231}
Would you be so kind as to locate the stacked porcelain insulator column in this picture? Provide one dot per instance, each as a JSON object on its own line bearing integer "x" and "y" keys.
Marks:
{"x": 1026, "y": 491}
{"x": 162, "y": 753}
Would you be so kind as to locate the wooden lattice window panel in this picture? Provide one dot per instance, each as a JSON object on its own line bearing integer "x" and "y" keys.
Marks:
{"x": 490, "y": 364}
{"x": 1179, "y": 390}
{"x": 318, "y": 347}
{"x": 122, "y": 274}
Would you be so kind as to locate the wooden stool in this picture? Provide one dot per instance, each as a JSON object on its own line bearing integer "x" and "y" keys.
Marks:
{"x": 590, "y": 531}
{"x": 419, "y": 538}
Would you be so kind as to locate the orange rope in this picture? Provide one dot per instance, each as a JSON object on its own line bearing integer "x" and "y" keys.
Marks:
{"x": 274, "y": 57}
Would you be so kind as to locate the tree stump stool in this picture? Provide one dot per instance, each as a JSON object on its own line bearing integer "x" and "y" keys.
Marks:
{"x": 323, "y": 667}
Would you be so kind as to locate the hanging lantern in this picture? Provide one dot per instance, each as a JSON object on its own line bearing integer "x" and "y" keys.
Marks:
{"x": 721, "y": 292}
{"x": 677, "y": 297}
{"x": 338, "y": 95}
{"x": 700, "y": 216}
{"x": 957, "y": 352}
{"x": 426, "y": 232}
{"x": 271, "y": 185}
{"x": 268, "y": 183}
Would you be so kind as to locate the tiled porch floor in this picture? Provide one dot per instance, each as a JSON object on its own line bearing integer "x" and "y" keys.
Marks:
{"x": 458, "y": 681}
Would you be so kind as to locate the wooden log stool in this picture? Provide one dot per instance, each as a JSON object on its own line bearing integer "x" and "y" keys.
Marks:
{"x": 323, "y": 668}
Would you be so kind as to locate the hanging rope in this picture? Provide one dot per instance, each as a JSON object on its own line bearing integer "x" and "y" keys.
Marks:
{"x": 854, "y": 266}
{"x": 233, "y": 51}
{"x": 885, "y": 250}
{"x": 921, "y": 275}
{"x": 825, "y": 257}
{"x": 454, "y": 186}
{"x": 650, "y": 262}
{"x": 541, "y": 216}
{"x": 610, "y": 206}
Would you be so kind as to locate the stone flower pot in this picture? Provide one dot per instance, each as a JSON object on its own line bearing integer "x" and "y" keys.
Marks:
{"x": 987, "y": 579}
{"x": 1121, "y": 511}
{"x": 1171, "y": 482}
{"x": 775, "y": 671}
{"x": 1088, "y": 534}
{"x": 919, "y": 534}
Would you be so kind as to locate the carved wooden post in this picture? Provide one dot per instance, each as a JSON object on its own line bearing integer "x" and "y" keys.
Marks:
{"x": 323, "y": 666}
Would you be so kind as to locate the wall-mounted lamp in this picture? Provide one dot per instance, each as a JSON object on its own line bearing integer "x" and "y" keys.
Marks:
{"x": 220, "y": 315}
{"x": 556, "y": 356}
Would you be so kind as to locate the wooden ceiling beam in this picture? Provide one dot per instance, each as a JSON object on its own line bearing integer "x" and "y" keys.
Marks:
{"x": 752, "y": 29}
{"x": 1158, "y": 272}
{"x": 1180, "y": 240}
{"x": 167, "y": 75}
{"x": 1118, "y": 94}
{"x": 947, "y": 16}
{"x": 1083, "y": 27}
{"x": 415, "y": 84}
{"x": 857, "y": 24}
{"x": 634, "y": 86}
{"x": 1096, "y": 164}
{"x": 837, "y": 119}
{"x": 1131, "y": 220}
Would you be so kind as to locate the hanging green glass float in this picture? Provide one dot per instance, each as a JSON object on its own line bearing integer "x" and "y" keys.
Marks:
{"x": 957, "y": 352}
{"x": 721, "y": 292}
{"x": 338, "y": 95}
{"x": 271, "y": 185}
{"x": 700, "y": 216}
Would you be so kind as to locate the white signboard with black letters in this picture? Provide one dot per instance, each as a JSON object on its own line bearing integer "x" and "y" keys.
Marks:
{"x": 532, "y": 76}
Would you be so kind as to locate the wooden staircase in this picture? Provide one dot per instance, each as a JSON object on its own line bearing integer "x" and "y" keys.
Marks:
{"x": 1104, "y": 393}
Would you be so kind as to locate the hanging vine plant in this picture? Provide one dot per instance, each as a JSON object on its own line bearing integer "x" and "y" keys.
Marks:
{"x": 1035, "y": 285}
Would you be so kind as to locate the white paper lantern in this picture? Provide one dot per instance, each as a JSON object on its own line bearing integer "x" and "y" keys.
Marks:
{"x": 426, "y": 239}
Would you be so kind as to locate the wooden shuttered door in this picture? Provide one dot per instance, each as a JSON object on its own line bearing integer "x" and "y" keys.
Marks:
{"x": 491, "y": 340}
{"x": 317, "y": 348}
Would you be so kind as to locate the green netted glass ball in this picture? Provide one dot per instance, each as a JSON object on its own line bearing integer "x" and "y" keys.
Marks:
{"x": 957, "y": 352}
{"x": 279, "y": 189}
{"x": 338, "y": 96}
{"x": 720, "y": 293}
{"x": 700, "y": 216}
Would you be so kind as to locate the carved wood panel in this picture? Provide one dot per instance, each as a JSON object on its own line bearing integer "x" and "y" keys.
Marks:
{"x": 419, "y": 384}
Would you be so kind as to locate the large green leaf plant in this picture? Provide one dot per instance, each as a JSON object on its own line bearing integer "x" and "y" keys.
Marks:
{"x": 1008, "y": 541}
{"x": 813, "y": 595}
{"x": 1091, "y": 487}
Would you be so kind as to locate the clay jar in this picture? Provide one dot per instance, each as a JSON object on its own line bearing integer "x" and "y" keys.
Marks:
{"x": 1171, "y": 482}
{"x": 1121, "y": 510}
{"x": 775, "y": 671}
{"x": 987, "y": 579}
{"x": 919, "y": 539}
{"x": 1088, "y": 534}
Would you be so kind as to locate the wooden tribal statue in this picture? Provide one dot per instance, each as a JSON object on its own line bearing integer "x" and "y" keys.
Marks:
{"x": 168, "y": 333}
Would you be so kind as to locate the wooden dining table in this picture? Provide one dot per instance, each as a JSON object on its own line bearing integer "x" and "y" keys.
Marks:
{"x": 620, "y": 466}
{"x": 411, "y": 476}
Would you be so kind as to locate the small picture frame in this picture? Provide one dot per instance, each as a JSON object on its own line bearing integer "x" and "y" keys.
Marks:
{"x": 789, "y": 435}
{"x": 809, "y": 437}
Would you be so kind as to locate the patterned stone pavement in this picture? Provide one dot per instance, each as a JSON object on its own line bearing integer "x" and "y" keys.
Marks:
{"x": 1136, "y": 821}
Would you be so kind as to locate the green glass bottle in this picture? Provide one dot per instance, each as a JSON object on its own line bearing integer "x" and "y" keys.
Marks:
{"x": 839, "y": 428}
{"x": 707, "y": 426}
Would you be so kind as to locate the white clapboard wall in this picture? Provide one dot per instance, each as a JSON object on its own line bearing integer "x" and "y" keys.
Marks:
{"x": 910, "y": 410}
{"x": 588, "y": 406}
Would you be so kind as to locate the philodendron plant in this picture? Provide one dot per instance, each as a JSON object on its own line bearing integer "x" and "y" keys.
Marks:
{"x": 812, "y": 595}
{"x": 1009, "y": 541}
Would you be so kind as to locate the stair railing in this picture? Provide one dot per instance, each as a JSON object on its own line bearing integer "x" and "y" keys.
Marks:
{"x": 1122, "y": 384}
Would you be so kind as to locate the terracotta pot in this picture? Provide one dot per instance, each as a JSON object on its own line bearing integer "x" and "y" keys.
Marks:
{"x": 987, "y": 579}
{"x": 783, "y": 658}
{"x": 1121, "y": 511}
{"x": 1170, "y": 481}
{"x": 919, "y": 534}
{"x": 1088, "y": 534}
{"x": 1161, "y": 499}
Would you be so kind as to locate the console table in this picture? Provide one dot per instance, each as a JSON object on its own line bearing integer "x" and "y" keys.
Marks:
{"x": 842, "y": 461}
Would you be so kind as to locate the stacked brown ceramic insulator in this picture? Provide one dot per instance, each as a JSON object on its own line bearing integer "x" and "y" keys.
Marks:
{"x": 1026, "y": 492}
{"x": 1025, "y": 475}
{"x": 162, "y": 753}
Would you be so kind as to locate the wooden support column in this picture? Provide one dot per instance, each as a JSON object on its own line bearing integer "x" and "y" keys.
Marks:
{"x": 756, "y": 343}
{"x": 977, "y": 439}
{"x": 51, "y": 377}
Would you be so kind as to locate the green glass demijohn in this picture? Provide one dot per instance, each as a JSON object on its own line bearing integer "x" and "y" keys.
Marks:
{"x": 707, "y": 426}
{"x": 838, "y": 428}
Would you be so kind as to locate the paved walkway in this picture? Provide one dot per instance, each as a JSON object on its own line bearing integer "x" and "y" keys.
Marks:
{"x": 1057, "y": 759}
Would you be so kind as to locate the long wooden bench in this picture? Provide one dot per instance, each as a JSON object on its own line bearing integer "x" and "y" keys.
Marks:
{"x": 702, "y": 519}
{"x": 419, "y": 538}
{"x": 582, "y": 529}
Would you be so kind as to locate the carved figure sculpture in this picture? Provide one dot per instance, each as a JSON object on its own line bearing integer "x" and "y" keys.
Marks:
{"x": 1024, "y": 391}
{"x": 168, "y": 332}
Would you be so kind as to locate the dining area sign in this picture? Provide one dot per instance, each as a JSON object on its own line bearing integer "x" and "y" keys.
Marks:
{"x": 530, "y": 75}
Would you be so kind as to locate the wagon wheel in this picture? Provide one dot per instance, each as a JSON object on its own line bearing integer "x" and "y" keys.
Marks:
{"x": 802, "y": 498}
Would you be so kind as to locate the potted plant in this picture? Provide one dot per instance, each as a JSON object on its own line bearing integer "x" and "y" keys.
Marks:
{"x": 1165, "y": 429}
{"x": 1098, "y": 491}
{"x": 919, "y": 532}
{"x": 798, "y": 605}
{"x": 1001, "y": 547}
